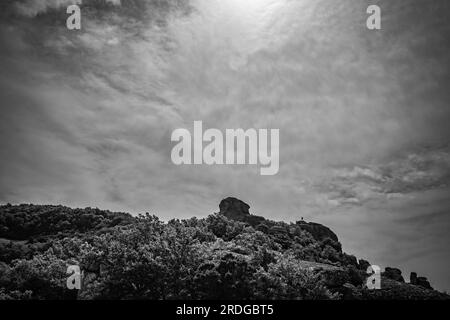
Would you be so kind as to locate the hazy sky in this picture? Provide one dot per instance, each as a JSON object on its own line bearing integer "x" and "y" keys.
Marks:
{"x": 86, "y": 116}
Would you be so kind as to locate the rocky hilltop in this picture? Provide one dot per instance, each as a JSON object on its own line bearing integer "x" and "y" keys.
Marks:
{"x": 238, "y": 210}
{"x": 231, "y": 254}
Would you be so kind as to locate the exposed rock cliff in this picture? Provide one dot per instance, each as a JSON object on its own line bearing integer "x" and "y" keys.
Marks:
{"x": 238, "y": 210}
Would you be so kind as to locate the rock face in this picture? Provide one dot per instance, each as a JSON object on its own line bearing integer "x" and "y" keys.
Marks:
{"x": 363, "y": 265}
{"x": 419, "y": 281}
{"x": 424, "y": 283}
{"x": 318, "y": 231}
{"x": 236, "y": 209}
{"x": 393, "y": 274}
{"x": 413, "y": 278}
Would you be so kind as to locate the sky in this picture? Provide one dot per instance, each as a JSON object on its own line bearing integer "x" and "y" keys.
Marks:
{"x": 87, "y": 115}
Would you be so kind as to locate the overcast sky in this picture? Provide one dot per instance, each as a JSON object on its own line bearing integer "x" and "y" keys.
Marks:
{"x": 86, "y": 116}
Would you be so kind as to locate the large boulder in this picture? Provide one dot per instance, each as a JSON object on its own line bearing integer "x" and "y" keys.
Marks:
{"x": 318, "y": 231}
{"x": 424, "y": 283}
{"x": 233, "y": 207}
{"x": 363, "y": 265}
{"x": 238, "y": 210}
{"x": 413, "y": 278}
{"x": 419, "y": 281}
{"x": 393, "y": 274}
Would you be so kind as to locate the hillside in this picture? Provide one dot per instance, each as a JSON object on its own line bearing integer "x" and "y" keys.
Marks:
{"x": 231, "y": 254}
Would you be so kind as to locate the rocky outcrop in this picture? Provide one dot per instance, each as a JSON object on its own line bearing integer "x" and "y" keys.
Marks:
{"x": 424, "y": 283}
{"x": 238, "y": 210}
{"x": 413, "y": 278}
{"x": 419, "y": 281}
{"x": 363, "y": 265}
{"x": 393, "y": 274}
{"x": 345, "y": 280}
{"x": 318, "y": 231}
{"x": 234, "y": 208}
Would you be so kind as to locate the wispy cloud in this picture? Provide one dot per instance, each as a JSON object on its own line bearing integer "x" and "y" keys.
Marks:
{"x": 420, "y": 171}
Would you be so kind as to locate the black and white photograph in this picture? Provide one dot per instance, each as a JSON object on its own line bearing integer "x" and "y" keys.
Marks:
{"x": 225, "y": 150}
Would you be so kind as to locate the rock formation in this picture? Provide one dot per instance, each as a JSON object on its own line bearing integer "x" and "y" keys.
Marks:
{"x": 393, "y": 274}
{"x": 318, "y": 231}
{"x": 419, "y": 281}
{"x": 236, "y": 209}
{"x": 363, "y": 265}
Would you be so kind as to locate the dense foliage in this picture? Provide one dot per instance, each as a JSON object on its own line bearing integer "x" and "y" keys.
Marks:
{"x": 124, "y": 257}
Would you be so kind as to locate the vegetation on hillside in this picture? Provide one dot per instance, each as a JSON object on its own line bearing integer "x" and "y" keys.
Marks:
{"x": 125, "y": 257}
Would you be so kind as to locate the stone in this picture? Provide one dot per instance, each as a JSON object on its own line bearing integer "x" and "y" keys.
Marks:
{"x": 363, "y": 265}
{"x": 419, "y": 281}
{"x": 393, "y": 274}
{"x": 238, "y": 210}
{"x": 318, "y": 231}
{"x": 424, "y": 283}
{"x": 413, "y": 278}
{"x": 233, "y": 206}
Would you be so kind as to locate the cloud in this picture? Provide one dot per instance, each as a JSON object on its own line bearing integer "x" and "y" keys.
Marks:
{"x": 330, "y": 87}
{"x": 31, "y": 8}
{"x": 419, "y": 171}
